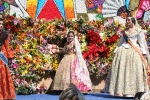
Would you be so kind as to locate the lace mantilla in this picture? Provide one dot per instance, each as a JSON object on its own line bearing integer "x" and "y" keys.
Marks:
{"x": 135, "y": 32}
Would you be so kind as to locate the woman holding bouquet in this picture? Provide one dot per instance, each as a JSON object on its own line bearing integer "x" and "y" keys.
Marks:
{"x": 72, "y": 68}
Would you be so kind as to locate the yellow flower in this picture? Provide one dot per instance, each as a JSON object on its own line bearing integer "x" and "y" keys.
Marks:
{"x": 105, "y": 37}
{"x": 37, "y": 67}
{"x": 116, "y": 22}
{"x": 55, "y": 61}
{"x": 22, "y": 61}
{"x": 34, "y": 61}
{"x": 24, "y": 72}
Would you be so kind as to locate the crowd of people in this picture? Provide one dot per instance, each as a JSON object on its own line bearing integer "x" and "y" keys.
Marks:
{"x": 127, "y": 77}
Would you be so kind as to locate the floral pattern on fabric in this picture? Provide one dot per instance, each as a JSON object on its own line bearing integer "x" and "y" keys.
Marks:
{"x": 7, "y": 90}
{"x": 126, "y": 76}
{"x": 66, "y": 72}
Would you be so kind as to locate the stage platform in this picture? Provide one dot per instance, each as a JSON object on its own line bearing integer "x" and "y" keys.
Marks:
{"x": 88, "y": 96}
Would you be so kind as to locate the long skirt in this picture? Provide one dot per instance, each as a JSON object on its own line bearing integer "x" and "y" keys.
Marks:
{"x": 127, "y": 75}
{"x": 65, "y": 75}
{"x": 7, "y": 89}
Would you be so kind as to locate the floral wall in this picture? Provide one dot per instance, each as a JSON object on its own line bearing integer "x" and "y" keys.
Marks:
{"x": 34, "y": 43}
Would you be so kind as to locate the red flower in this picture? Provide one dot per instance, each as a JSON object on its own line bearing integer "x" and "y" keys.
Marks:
{"x": 10, "y": 18}
{"x": 8, "y": 26}
{"x": 95, "y": 50}
{"x": 112, "y": 39}
{"x": 95, "y": 53}
{"x": 93, "y": 37}
{"x": 15, "y": 29}
{"x": 91, "y": 56}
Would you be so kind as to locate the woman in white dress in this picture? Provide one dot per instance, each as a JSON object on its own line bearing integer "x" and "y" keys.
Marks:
{"x": 127, "y": 75}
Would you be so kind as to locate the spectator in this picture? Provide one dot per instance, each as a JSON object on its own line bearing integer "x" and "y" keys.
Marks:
{"x": 71, "y": 93}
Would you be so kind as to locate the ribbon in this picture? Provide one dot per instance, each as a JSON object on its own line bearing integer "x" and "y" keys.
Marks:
{"x": 3, "y": 58}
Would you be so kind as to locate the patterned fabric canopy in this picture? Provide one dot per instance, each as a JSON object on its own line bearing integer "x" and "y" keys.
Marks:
{"x": 68, "y": 9}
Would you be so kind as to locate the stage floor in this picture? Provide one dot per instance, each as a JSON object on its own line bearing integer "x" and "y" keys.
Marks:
{"x": 89, "y": 96}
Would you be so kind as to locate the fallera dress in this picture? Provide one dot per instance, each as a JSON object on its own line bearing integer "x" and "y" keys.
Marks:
{"x": 127, "y": 75}
{"x": 7, "y": 89}
{"x": 66, "y": 72}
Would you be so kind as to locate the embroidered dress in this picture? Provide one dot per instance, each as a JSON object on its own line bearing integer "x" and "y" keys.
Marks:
{"x": 66, "y": 72}
{"x": 127, "y": 75}
{"x": 7, "y": 90}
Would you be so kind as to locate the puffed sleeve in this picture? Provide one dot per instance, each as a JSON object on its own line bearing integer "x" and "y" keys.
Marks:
{"x": 10, "y": 53}
{"x": 141, "y": 40}
{"x": 121, "y": 41}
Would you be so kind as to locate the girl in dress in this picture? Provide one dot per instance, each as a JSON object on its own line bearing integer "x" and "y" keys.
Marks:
{"x": 72, "y": 68}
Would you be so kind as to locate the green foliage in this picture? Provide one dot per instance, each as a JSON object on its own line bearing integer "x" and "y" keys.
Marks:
{"x": 23, "y": 90}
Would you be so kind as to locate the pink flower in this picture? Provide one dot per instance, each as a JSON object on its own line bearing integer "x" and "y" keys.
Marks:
{"x": 44, "y": 41}
{"x": 110, "y": 21}
{"x": 15, "y": 66}
{"x": 15, "y": 22}
{"x": 13, "y": 61}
